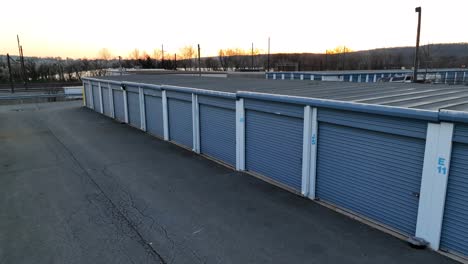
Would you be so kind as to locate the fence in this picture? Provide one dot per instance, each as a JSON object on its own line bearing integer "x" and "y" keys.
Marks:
{"x": 388, "y": 165}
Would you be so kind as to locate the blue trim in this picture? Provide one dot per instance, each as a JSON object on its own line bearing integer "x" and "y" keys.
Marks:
{"x": 350, "y": 106}
{"x": 453, "y": 116}
{"x": 434, "y": 116}
{"x": 101, "y": 80}
{"x": 199, "y": 91}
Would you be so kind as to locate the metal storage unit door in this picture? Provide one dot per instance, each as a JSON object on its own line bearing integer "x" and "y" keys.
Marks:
{"x": 180, "y": 118}
{"x": 371, "y": 165}
{"x": 218, "y": 128}
{"x": 154, "y": 113}
{"x": 106, "y": 101}
{"x": 119, "y": 106}
{"x": 88, "y": 94}
{"x": 273, "y": 141}
{"x": 133, "y": 100}
{"x": 96, "y": 100}
{"x": 455, "y": 224}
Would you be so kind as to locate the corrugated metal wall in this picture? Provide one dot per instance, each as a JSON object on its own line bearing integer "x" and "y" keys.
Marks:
{"x": 154, "y": 114}
{"x": 454, "y": 236}
{"x": 273, "y": 141}
{"x": 119, "y": 105}
{"x": 218, "y": 128}
{"x": 180, "y": 118}
{"x": 88, "y": 94}
{"x": 106, "y": 101}
{"x": 96, "y": 100}
{"x": 371, "y": 173}
{"x": 133, "y": 101}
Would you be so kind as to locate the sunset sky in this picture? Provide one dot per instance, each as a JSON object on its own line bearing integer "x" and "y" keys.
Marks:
{"x": 81, "y": 28}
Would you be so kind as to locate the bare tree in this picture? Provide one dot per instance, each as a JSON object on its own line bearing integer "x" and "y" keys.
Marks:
{"x": 104, "y": 54}
{"x": 134, "y": 54}
{"x": 186, "y": 56}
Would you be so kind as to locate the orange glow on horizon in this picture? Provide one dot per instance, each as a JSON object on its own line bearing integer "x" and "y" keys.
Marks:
{"x": 49, "y": 28}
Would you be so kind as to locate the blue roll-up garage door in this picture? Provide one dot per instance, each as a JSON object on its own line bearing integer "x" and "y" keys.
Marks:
{"x": 133, "y": 100}
{"x": 455, "y": 224}
{"x": 96, "y": 99}
{"x": 106, "y": 101}
{"x": 372, "y": 166}
{"x": 154, "y": 113}
{"x": 273, "y": 141}
{"x": 218, "y": 128}
{"x": 119, "y": 106}
{"x": 179, "y": 107}
{"x": 88, "y": 94}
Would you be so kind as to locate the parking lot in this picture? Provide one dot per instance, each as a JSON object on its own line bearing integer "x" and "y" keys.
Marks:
{"x": 78, "y": 187}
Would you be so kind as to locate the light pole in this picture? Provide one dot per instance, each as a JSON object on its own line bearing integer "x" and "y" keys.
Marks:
{"x": 416, "y": 55}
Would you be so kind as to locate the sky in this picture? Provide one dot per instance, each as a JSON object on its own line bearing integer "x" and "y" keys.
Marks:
{"x": 80, "y": 28}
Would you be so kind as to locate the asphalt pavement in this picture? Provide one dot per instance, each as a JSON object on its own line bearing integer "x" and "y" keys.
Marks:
{"x": 78, "y": 187}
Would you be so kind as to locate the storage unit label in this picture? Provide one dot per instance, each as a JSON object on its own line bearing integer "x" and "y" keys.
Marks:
{"x": 273, "y": 142}
{"x": 180, "y": 121}
{"x": 119, "y": 107}
{"x": 218, "y": 128}
{"x": 374, "y": 174}
{"x": 154, "y": 115}
{"x": 454, "y": 237}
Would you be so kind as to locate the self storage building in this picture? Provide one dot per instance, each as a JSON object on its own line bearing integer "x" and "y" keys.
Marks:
{"x": 392, "y": 154}
{"x": 445, "y": 76}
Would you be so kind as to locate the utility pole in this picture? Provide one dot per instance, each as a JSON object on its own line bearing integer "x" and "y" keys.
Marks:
{"x": 175, "y": 61}
{"x": 416, "y": 55}
{"x": 268, "y": 56}
{"x": 199, "y": 64}
{"x": 162, "y": 56}
{"x": 120, "y": 65}
{"x": 344, "y": 57}
{"x": 252, "y": 58}
{"x": 9, "y": 72}
{"x": 23, "y": 71}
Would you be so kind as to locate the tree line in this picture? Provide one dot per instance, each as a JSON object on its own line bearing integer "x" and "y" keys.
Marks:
{"x": 234, "y": 59}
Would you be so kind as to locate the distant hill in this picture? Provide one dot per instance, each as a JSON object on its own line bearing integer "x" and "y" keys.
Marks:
{"x": 452, "y": 55}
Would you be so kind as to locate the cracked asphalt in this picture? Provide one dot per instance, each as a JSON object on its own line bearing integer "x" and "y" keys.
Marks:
{"x": 77, "y": 187}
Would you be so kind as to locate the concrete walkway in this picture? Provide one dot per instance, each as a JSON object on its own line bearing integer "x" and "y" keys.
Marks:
{"x": 77, "y": 187}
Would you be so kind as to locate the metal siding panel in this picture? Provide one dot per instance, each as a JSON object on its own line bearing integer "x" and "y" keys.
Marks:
{"x": 363, "y": 77}
{"x": 461, "y": 133}
{"x": 106, "y": 101}
{"x": 132, "y": 88}
{"x": 154, "y": 115}
{"x": 152, "y": 92}
{"x": 275, "y": 108}
{"x": 180, "y": 96}
{"x": 273, "y": 147}
{"x": 218, "y": 133}
{"x": 180, "y": 122}
{"x": 96, "y": 100}
{"x": 88, "y": 94}
{"x": 218, "y": 102}
{"x": 119, "y": 107}
{"x": 387, "y": 124}
{"x": 454, "y": 236}
{"x": 134, "y": 109}
{"x": 373, "y": 174}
